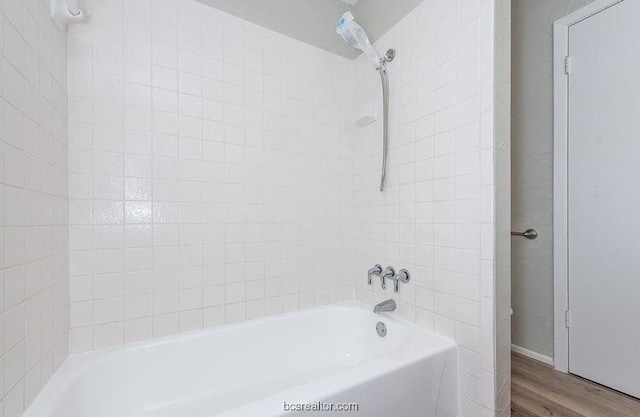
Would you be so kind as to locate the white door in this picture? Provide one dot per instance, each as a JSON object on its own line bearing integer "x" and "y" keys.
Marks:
{"x": 604, "y": 197}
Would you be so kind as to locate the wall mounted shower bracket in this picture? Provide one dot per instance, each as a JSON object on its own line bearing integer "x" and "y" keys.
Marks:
{"x": 388, "y": 57}
{"x": 66, "y": 11}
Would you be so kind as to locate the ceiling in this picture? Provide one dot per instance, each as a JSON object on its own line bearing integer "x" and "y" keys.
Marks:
{"x": 314, "y": 21}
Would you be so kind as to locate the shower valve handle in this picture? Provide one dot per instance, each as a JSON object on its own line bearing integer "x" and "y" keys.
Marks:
{"x": 389, "y": 273}
{"x": 376, "y": 270}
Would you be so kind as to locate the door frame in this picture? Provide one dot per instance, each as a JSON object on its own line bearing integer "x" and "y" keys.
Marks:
{"x": 560, "y": 178}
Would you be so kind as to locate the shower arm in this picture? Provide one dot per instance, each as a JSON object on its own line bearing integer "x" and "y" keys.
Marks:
{"x": 384, "y": 77}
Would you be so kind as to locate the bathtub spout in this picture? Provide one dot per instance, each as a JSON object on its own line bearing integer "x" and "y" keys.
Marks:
{"x": 388, "y": 305}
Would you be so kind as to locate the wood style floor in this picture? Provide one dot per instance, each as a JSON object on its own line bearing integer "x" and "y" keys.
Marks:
{"x": 538, "y": 390}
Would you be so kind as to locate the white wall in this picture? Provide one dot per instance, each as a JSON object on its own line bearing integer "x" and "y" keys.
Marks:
{"x": 502, "y": 213}
{"x": 309, "y": 21}
{"x": 436, "y": 216}
{"x": 532, "y": 175}
{"x": 33, "y": 202}
{"x": 209, "y": 172}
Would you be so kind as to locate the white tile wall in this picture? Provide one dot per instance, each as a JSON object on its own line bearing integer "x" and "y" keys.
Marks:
{"x": 33, "y": 202}
{"x": 436, "y": 217}
{"x": 209, "y": 172}
{"x": 214, "y": 175}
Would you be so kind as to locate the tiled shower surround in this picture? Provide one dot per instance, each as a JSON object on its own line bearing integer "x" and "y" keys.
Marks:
{"x": 436, "y": 217}
{"x": 34, "y": 278}
{"x": 215, "y": 174}
{"x": 209, "y": 172}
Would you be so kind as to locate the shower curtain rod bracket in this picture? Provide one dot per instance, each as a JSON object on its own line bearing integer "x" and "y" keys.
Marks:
{"x": 64, "y": 12}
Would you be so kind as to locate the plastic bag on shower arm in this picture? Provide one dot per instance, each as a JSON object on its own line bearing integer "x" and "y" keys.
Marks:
{"x": 355, "y": 36}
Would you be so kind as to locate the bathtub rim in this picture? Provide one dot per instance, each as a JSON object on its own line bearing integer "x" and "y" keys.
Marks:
{"x": 83, "y": 357}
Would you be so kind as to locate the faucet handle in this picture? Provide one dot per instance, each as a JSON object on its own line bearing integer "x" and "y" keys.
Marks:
{"x": 376, "y": 270}
{"x": 389, "y": 273}
{"x": 402, "y": 276}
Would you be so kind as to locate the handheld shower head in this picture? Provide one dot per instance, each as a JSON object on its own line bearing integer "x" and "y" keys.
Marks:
{"x": 355, "y": 36}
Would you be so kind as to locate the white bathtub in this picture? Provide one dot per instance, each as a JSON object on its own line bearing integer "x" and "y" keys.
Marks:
{"x": 331, "y": 354}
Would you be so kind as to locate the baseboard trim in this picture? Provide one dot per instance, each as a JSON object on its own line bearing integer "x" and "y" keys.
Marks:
{"x": 531, "y": 354}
